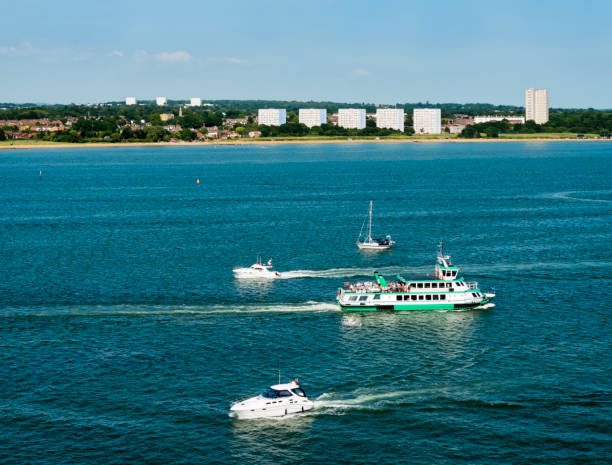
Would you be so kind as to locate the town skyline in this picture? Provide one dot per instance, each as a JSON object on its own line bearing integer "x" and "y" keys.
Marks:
{"x": 323, "y": 51}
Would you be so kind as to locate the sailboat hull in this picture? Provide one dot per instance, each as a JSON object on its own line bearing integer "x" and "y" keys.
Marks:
{"x": 374, "y": 246}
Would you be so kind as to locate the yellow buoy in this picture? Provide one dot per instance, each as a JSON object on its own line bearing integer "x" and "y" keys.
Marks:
{"x": 197, "y": 181}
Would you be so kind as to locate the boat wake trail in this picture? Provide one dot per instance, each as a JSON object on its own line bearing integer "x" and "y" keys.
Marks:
{"x": 579, "y": 196}
{"x": 349, "y": 272}
{"x": 168, "y": 310}
{"x": 334, "y": 403}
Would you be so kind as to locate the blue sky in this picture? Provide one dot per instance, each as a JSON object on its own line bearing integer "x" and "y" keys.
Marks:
{"x": 353, "y": 51}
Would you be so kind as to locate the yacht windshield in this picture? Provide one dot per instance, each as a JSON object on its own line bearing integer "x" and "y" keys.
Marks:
{"x": 272, "y": 393}
{"x": 300, "y": 392}
{"x": 269, "y": 394}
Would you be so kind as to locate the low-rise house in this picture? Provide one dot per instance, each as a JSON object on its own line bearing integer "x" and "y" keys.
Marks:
{"x": 254, "y": 134}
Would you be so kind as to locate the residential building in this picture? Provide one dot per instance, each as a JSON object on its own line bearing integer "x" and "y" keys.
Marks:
{"x": 390, "y": 118}
{"x": 161, "y": 101}
{"x": 427, "y": 120}
{"x": 536, "y": 105}
{"x": 489, "y": 119}
{"x": 454, "y": 128}
{"x": 272, "y": 116}
{"x": 166, "y": 116}
{"x": 130, "y": 100}
{"x": 253, "y": 134}
{"x": 352, "y": 118}
{"x": 313, "y": 116}
{"x": 196, "y": 102}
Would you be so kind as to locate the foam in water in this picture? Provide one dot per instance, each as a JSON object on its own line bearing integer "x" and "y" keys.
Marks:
{"x": 154, "y": 310}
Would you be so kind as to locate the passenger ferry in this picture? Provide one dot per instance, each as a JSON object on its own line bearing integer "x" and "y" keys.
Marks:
{"x": 446, "y": 291}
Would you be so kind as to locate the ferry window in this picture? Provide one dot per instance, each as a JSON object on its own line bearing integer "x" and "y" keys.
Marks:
{"x": 399, "y": 297}
{"x": 377, "y": 297}
{"x": 300, "y": 392}
{"x": 435, "y": 297}
{"x": 427, "y": 285}
{"x": 414, "y": 297}
{"x": 454, "y": 274}
{"x": 442, "y": 297}
{"x": 406, "y": 297}
{"x": 363, "y": 298}
{"x": 353, "y": 298}
{"x": 427, "y": 297}
{"x": 473, "y": 294}
{"x": 420, "y": 285}
{"x": 434, "y": 285}
{"x": 421, "y": 297}
{"x": 448, "y": 285}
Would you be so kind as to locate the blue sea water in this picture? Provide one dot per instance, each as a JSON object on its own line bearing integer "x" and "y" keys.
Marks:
{"x": 124, "y": 337}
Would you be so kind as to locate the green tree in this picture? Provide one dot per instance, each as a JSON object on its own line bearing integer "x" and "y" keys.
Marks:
{"x": 187, "y": 135}
{"x": 2, "y": 135}
{"x": 127, "y": 133}
{"x": 492, "y": 132}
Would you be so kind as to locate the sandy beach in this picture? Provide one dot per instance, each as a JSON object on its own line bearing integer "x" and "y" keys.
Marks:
{"x": 18, "y": 146}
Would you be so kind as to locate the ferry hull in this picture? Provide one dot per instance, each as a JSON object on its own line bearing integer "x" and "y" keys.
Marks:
{"x": 415, "y": 307}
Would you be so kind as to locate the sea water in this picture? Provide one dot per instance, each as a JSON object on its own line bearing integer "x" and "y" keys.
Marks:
{"x": 124, "y": 337}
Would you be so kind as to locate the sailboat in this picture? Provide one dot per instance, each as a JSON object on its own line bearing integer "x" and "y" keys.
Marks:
{"x": 370, "y": 243}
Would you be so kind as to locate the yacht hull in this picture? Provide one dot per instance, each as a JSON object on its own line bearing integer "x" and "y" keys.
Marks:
{"x": 272, "y": 412}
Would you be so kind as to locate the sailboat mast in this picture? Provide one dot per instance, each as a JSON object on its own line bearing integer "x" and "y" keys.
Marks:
{"x": 370, "y": 228}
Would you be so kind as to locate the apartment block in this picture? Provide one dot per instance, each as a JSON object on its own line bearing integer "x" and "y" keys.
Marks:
{"x": 427, "y": 120}
{"x": 313, "y": 116}
{"x": 195, "y": 102}
{"x": 130, "y": 100}
{"x": 390, "y": 118}
{"x": 272, "y": 116}
{"x": 161, "y": 101}
{"x": 489, "y": 119}
{"x": 536, "y": 105}
{"x": 352, "y": 118}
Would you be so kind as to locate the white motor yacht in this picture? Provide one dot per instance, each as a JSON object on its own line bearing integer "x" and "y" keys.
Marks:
{"x": 258, "y": 270}
{"x": 277, "y": 401}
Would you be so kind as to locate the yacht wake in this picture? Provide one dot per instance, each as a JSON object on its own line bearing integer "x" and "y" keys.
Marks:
{"x": 576, "y": 195}
{"x": 350, "y": 272}
{"x": 365, "y": 401}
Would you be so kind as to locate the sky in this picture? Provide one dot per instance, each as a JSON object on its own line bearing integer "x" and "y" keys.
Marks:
{"x": 381, "y": 52}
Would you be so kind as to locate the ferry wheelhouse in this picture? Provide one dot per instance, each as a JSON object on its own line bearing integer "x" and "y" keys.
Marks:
{"x": 446, "y": 291}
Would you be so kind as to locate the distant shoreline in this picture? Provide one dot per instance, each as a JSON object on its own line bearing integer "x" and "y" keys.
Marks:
{"x": 284, "y": 142}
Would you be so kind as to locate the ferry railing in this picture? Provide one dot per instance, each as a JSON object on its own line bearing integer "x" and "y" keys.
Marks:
{"x": 472, "y": 285}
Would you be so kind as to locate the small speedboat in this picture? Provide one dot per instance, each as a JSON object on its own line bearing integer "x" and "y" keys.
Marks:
{"x": 258, "y": 270}
{"x": 276, "y": 401}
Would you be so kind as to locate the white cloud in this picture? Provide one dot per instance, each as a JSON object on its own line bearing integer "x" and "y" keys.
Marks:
{"x": 20, "y": 50}
{"x": 116, "y": 53}
{"x": 360, "y": 72}
{"x": 172, "y": 57}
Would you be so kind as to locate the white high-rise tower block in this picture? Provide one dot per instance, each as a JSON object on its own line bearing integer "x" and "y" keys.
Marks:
{"x": 390, "y": 118}
{"x": 427, "y": 120}
{"x": 130, "y": 100}
{"x": 161, "y": 101}
{"x": 313, "y": 116}
{"x": 352, "y": 118}
{"x": 536, "y": 105}
{"x": 196, "y": 102}
{"x": 272, "y": 116}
